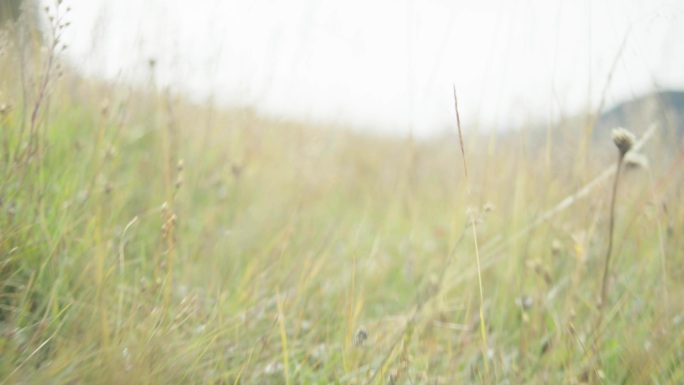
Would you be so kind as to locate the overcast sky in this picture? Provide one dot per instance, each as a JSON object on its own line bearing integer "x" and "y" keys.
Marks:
{"x": 388, "y": 64}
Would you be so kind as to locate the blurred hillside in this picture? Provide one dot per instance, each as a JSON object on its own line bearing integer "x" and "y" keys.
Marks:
{"x": 9, "y": 10}
{"x": 665, "y": 108}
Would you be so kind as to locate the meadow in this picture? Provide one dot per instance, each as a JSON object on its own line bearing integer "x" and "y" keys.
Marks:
{"x": 148, "y": 239}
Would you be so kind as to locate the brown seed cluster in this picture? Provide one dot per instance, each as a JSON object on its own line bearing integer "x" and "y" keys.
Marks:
{"x": 179, "y": 174}
{"x": 169, "y": 220}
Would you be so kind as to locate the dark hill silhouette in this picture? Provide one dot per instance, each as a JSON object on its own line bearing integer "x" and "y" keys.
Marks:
{"x": 665, "y": 108}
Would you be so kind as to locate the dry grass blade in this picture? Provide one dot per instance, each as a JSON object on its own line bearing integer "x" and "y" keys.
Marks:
{"x": 460, "y": 137}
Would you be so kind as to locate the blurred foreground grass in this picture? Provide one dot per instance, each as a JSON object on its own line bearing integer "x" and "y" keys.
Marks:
{"x": 147, "y": 239}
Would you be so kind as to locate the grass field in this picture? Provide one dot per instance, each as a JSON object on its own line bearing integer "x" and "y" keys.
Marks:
{"x": 146, "y": 239}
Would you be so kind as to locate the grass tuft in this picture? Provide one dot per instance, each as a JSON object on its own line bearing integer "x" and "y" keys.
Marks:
{"x": 145, "y": 238}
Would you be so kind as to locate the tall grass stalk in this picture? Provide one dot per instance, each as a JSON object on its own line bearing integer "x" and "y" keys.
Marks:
{"x": 483, "y": 327}
{"x": 611, "y": 235}
{"x": 624, "y": 140}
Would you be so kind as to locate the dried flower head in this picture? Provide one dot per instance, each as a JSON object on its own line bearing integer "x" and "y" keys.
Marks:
{"x": 360, "y": 336}
{"x": 623, "y": 139}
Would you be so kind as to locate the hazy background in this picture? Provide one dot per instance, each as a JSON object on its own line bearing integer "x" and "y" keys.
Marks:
{"x": 387, "y": 65}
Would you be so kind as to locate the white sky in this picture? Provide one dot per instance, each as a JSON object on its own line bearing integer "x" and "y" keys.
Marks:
{"x": 388, "y": 64}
